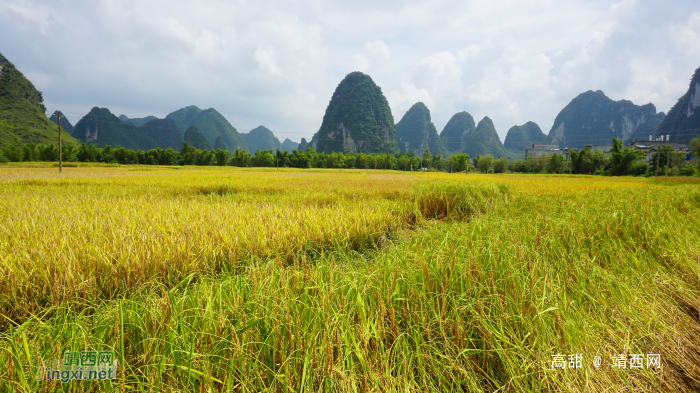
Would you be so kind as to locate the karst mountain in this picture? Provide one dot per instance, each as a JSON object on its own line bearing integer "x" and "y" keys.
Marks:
{"x": 594, "y": 119}
{"x": 357, "y": 119}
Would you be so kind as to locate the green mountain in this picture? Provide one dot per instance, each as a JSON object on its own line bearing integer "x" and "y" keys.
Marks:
{"x": 137, "y": 121}
{"x": 522, "y": 137}
{"x": 593, "y": 118}
{"x": 683, "y": 120}
{"x": 65, "y": 124}
{"x": 289, "y": 145}
{"x": 484, "y": 140}
{"x": 102, "y": 128}
{"x": 457, "y": 132}
{"x": 22, "y": 112}
{"x": 194, "y": 137}
{"x": 261, "y": 138}
{"x": 415, "y": 132}
{"x": 212, "y": 125}
{"x": 358, "y": 119}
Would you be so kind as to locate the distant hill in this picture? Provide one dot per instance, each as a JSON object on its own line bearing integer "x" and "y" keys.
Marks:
{"x": 415, "y": 132}
{"x": 194, "y": 137}
{"x": 65, "y": 124}
{"x": 261, "y": 138}
{"x": 358, "y": 119}
{"x": 484, "y": 140}
{"x": 22, "y": 112}
{"x": 137, "y": 121}
{"x": 683, "y": 120}
{"x": 457, "y": 131}
{"x": 522, "y": 137}
{"x": 303, "y": 145}
{"x": 289, "y": 145}
{"x": 593, "y": 118}
{"x": 102, "y": 128}
{"x": 212, "y": 125}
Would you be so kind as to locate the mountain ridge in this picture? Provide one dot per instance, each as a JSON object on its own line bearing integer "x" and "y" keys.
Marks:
{"x": 102, "y": 128}
{"x": 211, "y": 124}
{"x": 261, "y": 138}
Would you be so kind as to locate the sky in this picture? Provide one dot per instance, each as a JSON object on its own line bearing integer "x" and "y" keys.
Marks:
{"x": 277, "y": 63}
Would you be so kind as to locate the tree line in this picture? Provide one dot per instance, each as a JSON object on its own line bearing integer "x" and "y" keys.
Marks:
{"x": 621, "y": 160}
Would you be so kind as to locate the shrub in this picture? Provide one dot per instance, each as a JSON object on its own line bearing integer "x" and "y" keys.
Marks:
{"x": 688, "y": 170}
{"x": 639, "y": 168}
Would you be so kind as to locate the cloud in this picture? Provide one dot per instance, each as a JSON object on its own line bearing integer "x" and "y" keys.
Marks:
{"x": 266, "y": 61}
{"x": 277, "y": 64}
{"x": 378, "y": 47}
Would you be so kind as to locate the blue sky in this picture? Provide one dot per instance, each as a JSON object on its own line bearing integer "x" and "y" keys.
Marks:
{"x": 277, "y": 63}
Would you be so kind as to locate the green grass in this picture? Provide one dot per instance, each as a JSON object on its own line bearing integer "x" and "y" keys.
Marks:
{"x": 479, "y": 300}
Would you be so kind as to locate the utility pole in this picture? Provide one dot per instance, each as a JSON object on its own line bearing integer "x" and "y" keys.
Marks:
{"x": 668, "y": 158}
{"x": 60, "y": 147}
{"x": 658, "y": 155}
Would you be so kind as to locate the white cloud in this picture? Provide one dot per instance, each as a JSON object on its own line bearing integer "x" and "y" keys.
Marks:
{"x": 266, "y": 61}
{"x": 378, "y": 47}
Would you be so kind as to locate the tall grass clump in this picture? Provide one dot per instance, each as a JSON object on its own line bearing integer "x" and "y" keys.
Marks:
{"x": 457, "y": 200}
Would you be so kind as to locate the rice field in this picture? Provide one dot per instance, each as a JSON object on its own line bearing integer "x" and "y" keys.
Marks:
{"x": 222, "y": 279}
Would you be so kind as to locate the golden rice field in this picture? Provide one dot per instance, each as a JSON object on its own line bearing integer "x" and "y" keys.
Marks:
{"x": 224, "y": 279}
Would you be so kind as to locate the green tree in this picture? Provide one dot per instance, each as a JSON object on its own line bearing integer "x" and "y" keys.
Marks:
{"x": 282, "y": 158}
{"x": 221, "y": 157}
{"x": 188, "y": 155}
{"x": 29, "y": 152}
{"x": 13, "y": 153}
{"x": 120, "y": 155}
{"x": 556, "y": 164}
{"x": 68, "y": 151}
{"x": 426, "y": 158}
{"x": 485, "y": 163}
{"x": 168, "y": 157}
{"x": 240, "y": 158}
{"x": 518, "y": 166}
{"x": 47, "y": 153}
{"x": 695, "y": 146}
{"x": 622, "y": 159}
{"x": 106, "y": 154}
{"x": 500, "y": 165}
{"x": 205, "y": 157}
{"x": 460, "y": 162}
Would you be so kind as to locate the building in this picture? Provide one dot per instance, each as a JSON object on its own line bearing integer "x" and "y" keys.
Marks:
{"x": 545, "y": 149}
{"x": 651, "y": 146}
